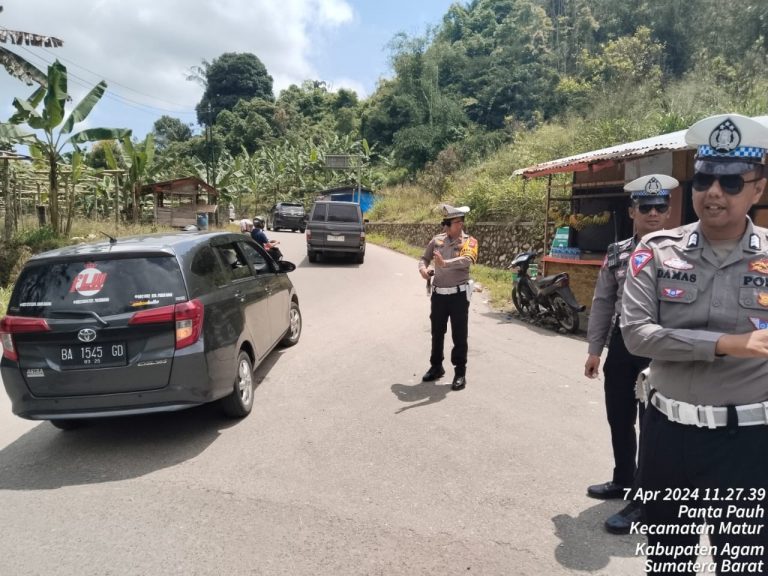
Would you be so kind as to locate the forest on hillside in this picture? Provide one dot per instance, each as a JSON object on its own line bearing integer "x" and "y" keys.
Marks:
{"x": 496, "y": 85}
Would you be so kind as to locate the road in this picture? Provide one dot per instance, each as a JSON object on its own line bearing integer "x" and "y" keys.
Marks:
{"x": 348, "y": 465}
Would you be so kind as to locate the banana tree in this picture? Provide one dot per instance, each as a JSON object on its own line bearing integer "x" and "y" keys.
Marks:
{"x": 56, "y": 130}
{"x": 139, "y": 159}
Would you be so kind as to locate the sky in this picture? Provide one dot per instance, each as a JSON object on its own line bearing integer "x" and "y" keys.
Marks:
{"x": 144, "y": 49}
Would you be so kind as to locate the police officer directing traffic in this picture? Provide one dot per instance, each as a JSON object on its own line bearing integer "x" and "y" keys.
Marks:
{"x": 453, "y": 252}
{"x": 649, "y": 211}
{"x": 696, "y": 303}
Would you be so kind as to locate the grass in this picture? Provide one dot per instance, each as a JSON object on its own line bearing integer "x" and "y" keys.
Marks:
{"x": 496, "y": 283}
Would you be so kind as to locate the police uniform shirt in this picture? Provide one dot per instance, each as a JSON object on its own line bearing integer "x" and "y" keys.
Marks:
{"x": 606, "y": 302}
{"x": 679, "y": 299}
{"x": 459, "y": 255}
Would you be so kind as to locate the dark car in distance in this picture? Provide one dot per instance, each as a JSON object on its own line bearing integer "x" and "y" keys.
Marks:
{"x": 144, "y": 324}
{"x": 287, "y": 215}
{"x": 336, "y": 227}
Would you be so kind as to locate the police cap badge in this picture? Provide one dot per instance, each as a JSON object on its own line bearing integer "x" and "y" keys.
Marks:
{"x": 728, "y": 144}
{"x": 651, "y": 189}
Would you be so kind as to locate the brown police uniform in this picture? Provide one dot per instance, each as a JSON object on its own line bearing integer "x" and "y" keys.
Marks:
{"x": 449, "y": 300}
{"x": 705, "y": 440}
{"x": 620, "y": 368}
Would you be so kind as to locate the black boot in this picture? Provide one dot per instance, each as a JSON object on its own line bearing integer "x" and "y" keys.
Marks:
{"x": 459, "y": 382}
{"x": 433, "y": 373}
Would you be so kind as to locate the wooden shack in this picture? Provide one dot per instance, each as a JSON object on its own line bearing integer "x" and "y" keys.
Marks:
{"x": 183, "y": 201}
{"x": 596, "y": 185}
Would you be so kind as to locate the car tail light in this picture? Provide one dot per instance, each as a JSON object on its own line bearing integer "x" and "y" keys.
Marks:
{"x": 188, "y": 317}
{"x": 153, "y": 316}
{"x": 189, "y": 323}
{"x": 309, "y": 234}
{"x": 11, "y": 325}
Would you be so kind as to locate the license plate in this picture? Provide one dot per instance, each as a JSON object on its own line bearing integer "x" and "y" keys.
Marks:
{"x": 92, "y": 355}
{"x": 332, "y": 238}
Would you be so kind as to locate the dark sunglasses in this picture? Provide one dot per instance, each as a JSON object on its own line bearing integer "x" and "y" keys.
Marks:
{"x": 646, "y": 208}
{"x": 730, "y": 183}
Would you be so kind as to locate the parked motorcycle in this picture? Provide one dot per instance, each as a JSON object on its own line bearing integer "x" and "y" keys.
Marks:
{"x": 550, "y": 296}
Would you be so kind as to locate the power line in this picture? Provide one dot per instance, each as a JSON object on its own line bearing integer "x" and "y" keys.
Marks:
{"x": 112, "y": 94}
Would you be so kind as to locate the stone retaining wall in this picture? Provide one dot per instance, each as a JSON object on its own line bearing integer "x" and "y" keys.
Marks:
{"x": 499, "y": 242}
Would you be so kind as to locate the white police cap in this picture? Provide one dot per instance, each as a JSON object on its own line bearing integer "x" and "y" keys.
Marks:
{"x": 728, "y": 144}
{"x": 448, "y": 211}
{"x": 651, "y": 189}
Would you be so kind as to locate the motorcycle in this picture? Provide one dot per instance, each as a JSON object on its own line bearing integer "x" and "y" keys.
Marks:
{"x": 550, "y": 296}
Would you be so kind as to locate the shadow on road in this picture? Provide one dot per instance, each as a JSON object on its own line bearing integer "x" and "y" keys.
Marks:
{"x": 586, "y": 546}
{"x": 427, "y": 392}
{"x": 107, "y": 450}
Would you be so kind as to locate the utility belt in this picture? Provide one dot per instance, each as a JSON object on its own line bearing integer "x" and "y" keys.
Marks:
{"x": 709, "y": 416}
{"x": 451, "y": 290}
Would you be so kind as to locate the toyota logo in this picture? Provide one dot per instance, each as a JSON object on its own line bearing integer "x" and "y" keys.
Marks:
{"x": 86, "y": 335}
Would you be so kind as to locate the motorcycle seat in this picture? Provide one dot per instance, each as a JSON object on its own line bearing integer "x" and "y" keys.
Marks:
{"x": 546, "y": 280}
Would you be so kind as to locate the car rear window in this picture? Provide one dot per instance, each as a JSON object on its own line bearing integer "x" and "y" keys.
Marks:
{"x": 105, "y": 287}
{"x": 342, "y": 213}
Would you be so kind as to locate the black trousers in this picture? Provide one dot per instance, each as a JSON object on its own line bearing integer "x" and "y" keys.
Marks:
{"x": 621, "y": 369}
{"x": 693, "y": 475}
{"x": 456, "y": 308}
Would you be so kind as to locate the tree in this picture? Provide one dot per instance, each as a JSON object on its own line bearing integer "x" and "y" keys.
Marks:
{"x": 16, "y": 65}
{"x": 230, "y": 78}
{"x": 168, "y": 129}
{"x": 139, "y": 161}
{"x": 52, "y": 117}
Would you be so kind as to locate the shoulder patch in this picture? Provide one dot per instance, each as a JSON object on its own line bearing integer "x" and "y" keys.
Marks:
{"x": 640, "y": 258}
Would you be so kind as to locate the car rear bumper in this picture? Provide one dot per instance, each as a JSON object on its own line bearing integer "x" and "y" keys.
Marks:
{"x": 333, "y": 248}
{"x": 289, "y": 222}
{"x": 184, "y": 390}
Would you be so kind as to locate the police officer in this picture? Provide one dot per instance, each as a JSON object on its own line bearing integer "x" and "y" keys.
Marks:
{"x": 649, "y": 211}
{"x": 453, "y": 252}
{"x": 696, "y": 303}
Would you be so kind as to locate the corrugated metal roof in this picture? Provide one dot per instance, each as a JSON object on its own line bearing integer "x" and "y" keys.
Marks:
{"x": 608, "y": 156}
{"x": 582, "y": 162}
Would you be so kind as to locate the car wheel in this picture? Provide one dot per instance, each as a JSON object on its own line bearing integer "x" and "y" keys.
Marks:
{"x": 239, "y": 403}
{"x": 360, "y": 258}
{"x": 312, "y": 256}
{"x": 270, "y": 225}
{"x": 302, "y": 230}
{"x": 291, "y": 337}
{"x": 67, "y": 423}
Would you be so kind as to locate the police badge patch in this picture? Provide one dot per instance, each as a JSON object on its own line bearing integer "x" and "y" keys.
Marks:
{"x": 640, "y": 258}
{"x": 673, "y": 292}
{"x": 678, "y": 264}
{"x": 759, "y": 323}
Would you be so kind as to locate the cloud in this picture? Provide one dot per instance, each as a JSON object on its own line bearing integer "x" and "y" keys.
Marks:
{"x": 145, "y": 48}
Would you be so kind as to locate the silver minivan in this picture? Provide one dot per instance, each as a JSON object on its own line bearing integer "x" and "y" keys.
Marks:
{"x": 336, "y": 228}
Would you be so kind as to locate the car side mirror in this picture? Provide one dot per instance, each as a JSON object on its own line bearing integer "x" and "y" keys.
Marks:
{"x": 286, "y": 266}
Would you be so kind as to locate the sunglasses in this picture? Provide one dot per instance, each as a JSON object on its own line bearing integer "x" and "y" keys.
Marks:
{"x": 729, "y": 183}
{"x": 646, "y": 208}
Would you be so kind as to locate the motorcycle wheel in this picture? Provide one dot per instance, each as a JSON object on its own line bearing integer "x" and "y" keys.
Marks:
{"x": 566, "y": 316}
{"x": 523, "y": 302}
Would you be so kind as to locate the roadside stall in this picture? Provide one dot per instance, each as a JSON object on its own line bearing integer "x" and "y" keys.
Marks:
{"x": 183, "y": 202}
{"x": 589, "y": 211}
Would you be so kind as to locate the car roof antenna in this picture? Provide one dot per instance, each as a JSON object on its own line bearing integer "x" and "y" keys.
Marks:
{"x": 112, "y": 239}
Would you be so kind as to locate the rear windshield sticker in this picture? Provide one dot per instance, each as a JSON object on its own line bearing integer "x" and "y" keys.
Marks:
{"x": 140, "y": 303}
{"x": 90, "y": 300}
{"x": 89, "y": 281}
{"x": 149, "y": 299}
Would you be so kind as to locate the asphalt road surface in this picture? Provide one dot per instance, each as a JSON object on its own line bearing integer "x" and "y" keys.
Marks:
{"x": 348, "y": 464}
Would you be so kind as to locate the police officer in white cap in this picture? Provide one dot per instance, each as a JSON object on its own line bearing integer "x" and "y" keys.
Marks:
{"x": 696, "y": 303}
{"x": 649, "y": 211}
{"x": 453, "y": 252}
